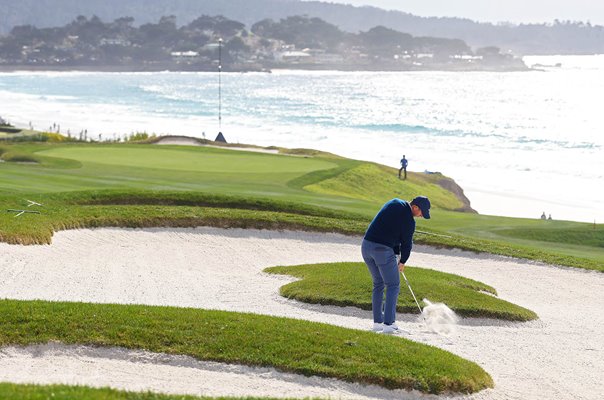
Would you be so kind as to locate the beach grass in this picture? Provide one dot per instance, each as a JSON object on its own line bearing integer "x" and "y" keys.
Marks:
{"x": 11, "y": 391}
{"x": 289, "y": 345}
{"x": 81, "y": 184}
{"x": 349, "y": 284}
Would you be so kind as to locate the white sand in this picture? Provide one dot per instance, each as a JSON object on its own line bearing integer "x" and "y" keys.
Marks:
{"x": 189, "y": 141}
{"x": 559, "y": 356}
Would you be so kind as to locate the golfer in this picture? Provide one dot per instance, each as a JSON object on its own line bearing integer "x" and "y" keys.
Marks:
{"x": 390, "y": 233}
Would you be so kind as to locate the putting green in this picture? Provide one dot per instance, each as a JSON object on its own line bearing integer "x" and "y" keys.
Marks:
{"x": 85, "y": 167}
{"x": 189, "y": 159}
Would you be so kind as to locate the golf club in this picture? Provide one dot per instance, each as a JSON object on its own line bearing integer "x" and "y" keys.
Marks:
{"x": 398, "y": 261}
{"x": 413, "y": 294}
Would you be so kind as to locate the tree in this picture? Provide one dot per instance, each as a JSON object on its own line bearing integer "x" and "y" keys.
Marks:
{"x": 385, "y": 41}
{"x": 301, "y": 31}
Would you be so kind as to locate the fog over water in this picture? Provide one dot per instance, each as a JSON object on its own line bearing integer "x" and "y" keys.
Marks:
{"x": 514, "y": 11}
{"x": 519, "y": 143}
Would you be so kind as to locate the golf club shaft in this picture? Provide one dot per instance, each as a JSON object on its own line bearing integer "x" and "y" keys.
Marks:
{"x": 411, "y": 290}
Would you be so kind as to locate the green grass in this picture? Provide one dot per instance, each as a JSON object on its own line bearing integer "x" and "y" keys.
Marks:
{"x": 78, "y": 182}
{"x": 10, "y": 391}
{"x": 374, "y": 183}
{"x": 349, "y": 284}
{"x": 168, "y": 209}
{"x": 492, "y": 234}
{"x": 290, "y": 345}
{"x": 581, "y": 237}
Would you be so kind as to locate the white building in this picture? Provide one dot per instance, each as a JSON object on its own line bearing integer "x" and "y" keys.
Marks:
{"x": 293, "y": 57}
{"x": 184, "y": 56}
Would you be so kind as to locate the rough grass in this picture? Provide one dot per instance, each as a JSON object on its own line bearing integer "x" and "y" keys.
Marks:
{"x": 290, "y": 345}
{"x": 349, "y": 284}
{"x": 169, "y": 209}
{"x": 375, "y": 183}
{"x": 9, "y": 155}
{"x": 139, "y": 209}
{"x": 9, "y": 391}
{"x": 588, "y": 236}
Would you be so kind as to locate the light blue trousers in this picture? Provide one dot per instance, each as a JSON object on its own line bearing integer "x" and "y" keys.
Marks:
{"x": 383, "y": 266}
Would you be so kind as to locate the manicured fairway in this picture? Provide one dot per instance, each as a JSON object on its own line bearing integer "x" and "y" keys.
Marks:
{"x": 159, "y": 168}
{"x": 301, "y": 178}
{"x": 189, "y": 158}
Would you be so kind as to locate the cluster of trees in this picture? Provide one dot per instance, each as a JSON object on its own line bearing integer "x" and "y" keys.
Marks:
{"x": 91, "y": 42}
{"x": 558, "y": 37}
{"x": 305, "y": 32}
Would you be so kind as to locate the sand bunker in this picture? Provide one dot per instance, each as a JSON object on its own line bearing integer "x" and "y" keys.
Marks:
{"x": 190, "y": 141}
{"x": 560, "y": 356}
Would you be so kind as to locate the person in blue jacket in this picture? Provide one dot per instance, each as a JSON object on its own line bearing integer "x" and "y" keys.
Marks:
{"x": 404, "y": 164}
{"x": 390, "y": 233}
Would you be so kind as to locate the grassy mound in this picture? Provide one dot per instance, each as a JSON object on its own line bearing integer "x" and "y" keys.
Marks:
{"x": 291, "y": 345}
{"x": 375, "y": 183}
{"x": 349, "y": 284}
{"x": 139, "y": 209}
{"x": 19, "y": 158}
{"x": 9, "y": 391}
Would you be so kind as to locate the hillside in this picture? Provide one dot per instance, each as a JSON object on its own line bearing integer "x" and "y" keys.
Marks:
{"x": 557, "y": 38}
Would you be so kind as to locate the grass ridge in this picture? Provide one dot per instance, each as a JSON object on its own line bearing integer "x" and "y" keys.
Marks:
{"x": 290, "y": 345}
{"x": 349, "y": 284}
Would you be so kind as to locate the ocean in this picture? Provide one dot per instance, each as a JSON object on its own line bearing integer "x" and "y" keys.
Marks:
{"x": 519, "y": 143}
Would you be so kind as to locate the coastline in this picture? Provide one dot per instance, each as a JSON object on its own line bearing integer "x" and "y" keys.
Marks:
{"x": 369, "y": 126}
{"x": 269, "y": 68}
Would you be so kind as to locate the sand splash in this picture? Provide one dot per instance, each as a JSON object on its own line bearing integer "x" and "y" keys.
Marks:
{"x": 439, "y": 318}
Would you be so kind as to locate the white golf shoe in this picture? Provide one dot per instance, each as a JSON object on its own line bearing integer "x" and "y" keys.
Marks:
{"x": 377, "y": 327}
{"x": 391, "y": 329}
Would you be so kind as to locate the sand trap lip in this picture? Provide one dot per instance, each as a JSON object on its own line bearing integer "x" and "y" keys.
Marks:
{"x": 190, "y": 141}
{"x": 175, "y": 374}
{"x": 559, "y": 356}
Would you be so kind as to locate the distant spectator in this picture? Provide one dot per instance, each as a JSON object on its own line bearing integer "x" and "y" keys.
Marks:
{"x": 543, "y": 215}
{"x": 550, "y": 217}
{"x": 403, "y": 168}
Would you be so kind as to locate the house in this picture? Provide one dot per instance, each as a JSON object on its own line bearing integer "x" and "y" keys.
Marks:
{"x": 293, "y": 57}
{"x": 114, "y": 42}
{"x": 184, "y": 56}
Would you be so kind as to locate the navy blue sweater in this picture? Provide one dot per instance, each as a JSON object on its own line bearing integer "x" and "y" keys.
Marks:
{"x": 393, "y": 226}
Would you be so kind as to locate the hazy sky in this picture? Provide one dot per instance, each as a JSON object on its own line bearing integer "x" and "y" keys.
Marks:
{"x": 496, "y": 10}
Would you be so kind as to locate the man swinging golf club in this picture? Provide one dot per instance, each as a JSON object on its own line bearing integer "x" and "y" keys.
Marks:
{"x": 390, "y": 233}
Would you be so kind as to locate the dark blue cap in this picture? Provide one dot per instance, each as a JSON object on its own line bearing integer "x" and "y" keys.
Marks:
{"x": 424, "y": 204}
